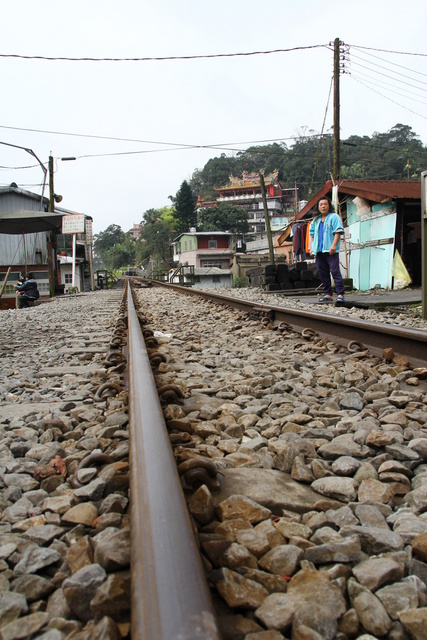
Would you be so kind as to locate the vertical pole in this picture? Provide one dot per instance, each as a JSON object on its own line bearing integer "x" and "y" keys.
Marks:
{"x": 92, "y": 275}
{"x": 295, "y": 199}
{"x": 73, "y": 272}
{"x": 267, "y": 219}
{"x": 424, "y": 242}
{"x": 337, "y": 159}
{"x": 51, "y": 243}
{"x": 51, "y": 190}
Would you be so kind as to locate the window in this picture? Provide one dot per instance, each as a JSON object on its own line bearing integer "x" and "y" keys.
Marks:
{"x": 212, "y": 244}
{"x": 13, "y": 276}
{"x": 68, "y": 278}
{"x": 216, "y": 278}
{"x": 212, "y": 263}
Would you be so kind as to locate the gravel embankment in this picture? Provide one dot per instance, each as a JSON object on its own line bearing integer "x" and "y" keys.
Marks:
{"x": 319, "y": 530}
{"x": 407, "y": 317}
{"x": 64, "y": 530}
{"x": 320, "y": 527}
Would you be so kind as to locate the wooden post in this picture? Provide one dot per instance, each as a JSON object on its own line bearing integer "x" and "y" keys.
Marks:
{"x": 267, "y": 219}
{"x": 5, "y": 281}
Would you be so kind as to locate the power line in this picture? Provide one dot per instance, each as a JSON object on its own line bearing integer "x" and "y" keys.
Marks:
{"x": 161, "y": 58}
{"x": 30, "y": 166}
{"x": 394, "y": 101}
{"x": 391, "y": 77}
{"x": 394, "y": 63}
{"x": 400, "y": 53}
{"x": 382, "y": 86}
{"x": 113, "y": 138}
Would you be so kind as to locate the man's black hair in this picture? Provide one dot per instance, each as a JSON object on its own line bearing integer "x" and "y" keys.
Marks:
{"x": 331, "y": 206}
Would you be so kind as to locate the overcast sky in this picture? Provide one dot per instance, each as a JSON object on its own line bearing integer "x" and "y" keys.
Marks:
{"x": 126, "y": 121}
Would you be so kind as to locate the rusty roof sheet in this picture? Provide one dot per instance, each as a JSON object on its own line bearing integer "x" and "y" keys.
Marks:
{"x": 381, "y": 190}
{"x": 373, "y": 190}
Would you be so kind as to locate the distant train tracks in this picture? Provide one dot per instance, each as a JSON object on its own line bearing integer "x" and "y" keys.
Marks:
{"x": 362, "y": 334}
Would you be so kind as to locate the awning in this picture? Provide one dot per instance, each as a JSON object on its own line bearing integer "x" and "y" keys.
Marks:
{"x": 27, "y": 221}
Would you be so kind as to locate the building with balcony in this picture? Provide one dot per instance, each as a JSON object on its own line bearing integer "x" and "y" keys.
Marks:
{"x": 203, "y": 249}
{"x": 246, "y": 192}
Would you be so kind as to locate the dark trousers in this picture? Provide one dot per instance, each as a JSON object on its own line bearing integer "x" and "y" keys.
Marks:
{"x": 329, "y": 265}
{"x": 24, "y": 300}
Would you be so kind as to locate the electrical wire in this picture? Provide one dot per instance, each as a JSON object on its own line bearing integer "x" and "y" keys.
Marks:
{"x": 381, "y": 67}
{"x": 381, "y": 86}
{"x": 393, "y": 63}
{"x": 162, "y": 58}
{"x": 30, "y": 166}
{"x": 400, "y": 53}
{"x": 357, "y": 64}
{"x": 323, "y": 126}
{"x": 394, "y": 101}
{"x": 115, "y": 138}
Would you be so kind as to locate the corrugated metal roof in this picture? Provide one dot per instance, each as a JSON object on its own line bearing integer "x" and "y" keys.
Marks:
{"x": 372, "y": 190}
{"x": 29, "y": 195}
{"x": 381, "y": 190}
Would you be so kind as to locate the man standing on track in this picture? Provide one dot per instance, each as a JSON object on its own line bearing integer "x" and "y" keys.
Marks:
{"x": 326, "y": 230}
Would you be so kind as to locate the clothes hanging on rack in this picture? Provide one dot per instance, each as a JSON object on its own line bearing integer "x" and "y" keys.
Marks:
{"x": 301, "y": 240}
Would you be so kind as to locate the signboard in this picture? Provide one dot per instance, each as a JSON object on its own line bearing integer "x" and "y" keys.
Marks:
{"x": 73, "y": 223}
{"x": 89, "y": 231}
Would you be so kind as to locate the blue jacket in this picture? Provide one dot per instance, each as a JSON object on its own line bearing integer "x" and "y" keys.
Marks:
{"x": 331, "y": 225}
{"x": 29, "y": 288}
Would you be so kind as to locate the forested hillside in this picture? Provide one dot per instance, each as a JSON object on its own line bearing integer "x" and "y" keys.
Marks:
{"x": 308, "y": 162}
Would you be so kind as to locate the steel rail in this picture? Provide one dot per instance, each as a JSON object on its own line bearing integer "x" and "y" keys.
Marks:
{"x": 375, "y": 336}
{"x": 170, "y": 597}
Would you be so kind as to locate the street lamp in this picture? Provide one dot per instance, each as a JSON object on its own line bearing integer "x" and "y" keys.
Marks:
{"x": 31, "y": 152}
{"x": 53, "y": 197}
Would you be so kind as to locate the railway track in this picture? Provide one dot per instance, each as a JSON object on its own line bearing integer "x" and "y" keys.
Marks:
{"x": 374, "y": 336}
{"x": 277, "y": 476}
{"x": 294, "y": 518}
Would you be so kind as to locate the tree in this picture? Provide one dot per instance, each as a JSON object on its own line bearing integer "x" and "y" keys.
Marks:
{"x": 104, "y": 243}
{"x": 108, "y": 238}
{"x": 185, "y": 208}
{"x": 224, "y": 217}
{"x": 156, "y": 235}
{"x": 120, "y": 254}
{"x": 215, "y": 173}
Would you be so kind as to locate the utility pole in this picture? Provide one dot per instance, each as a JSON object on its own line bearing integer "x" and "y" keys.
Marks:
{"x": 267, "y": 219}
{"x": 424, "y": 242}
{"x": 337, "y": 159}
{"x": 51, "y": 190}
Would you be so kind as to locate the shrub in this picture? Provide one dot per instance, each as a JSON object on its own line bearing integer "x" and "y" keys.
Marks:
{"x": 239, "y": 282}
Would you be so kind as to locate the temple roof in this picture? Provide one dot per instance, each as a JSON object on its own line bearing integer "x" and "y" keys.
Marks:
{"x": 249, "y": 179}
